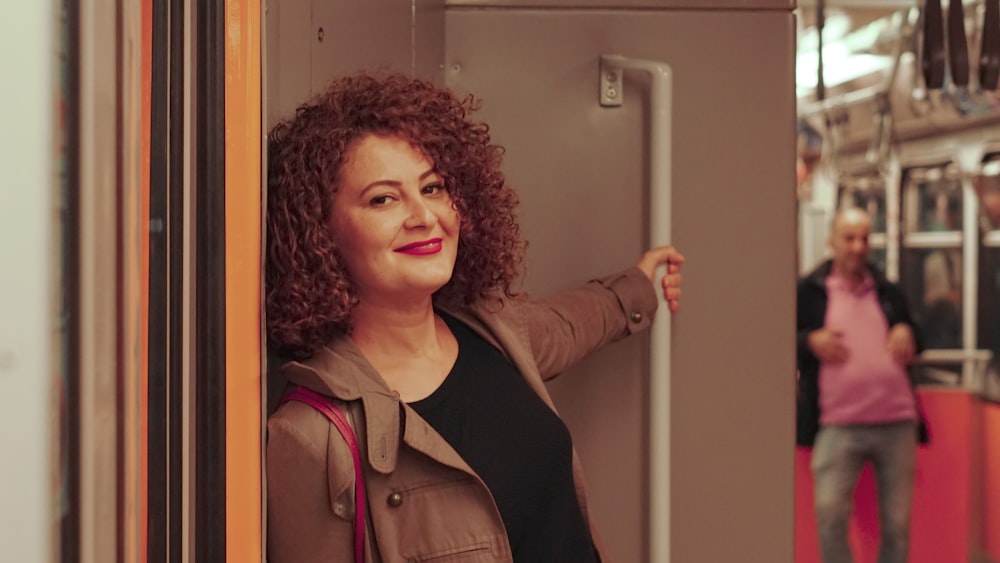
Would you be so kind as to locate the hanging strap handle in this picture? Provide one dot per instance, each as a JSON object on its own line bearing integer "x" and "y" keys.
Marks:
{"x": 958, "y": 48}
{"x": 989, "y": 50}
{"x": 932, "y": 61}
{"x": 325, "y": 405}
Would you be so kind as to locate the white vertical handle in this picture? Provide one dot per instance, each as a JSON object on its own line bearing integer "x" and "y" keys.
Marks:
{"x": 971, "y": 376}
{"x": 660, "y": 98}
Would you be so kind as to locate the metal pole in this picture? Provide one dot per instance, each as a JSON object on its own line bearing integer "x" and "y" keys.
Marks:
{"x": 660, "y": 98}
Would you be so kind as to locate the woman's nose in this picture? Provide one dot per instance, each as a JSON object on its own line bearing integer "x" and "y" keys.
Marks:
{"x": 420, "y": 214}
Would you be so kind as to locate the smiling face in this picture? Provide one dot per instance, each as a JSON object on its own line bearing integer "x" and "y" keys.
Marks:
{"x": 393, "y": 221}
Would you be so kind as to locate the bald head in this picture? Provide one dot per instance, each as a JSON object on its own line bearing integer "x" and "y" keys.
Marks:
{"x": 849, "y": 242}
{"x": 853, "y": 216}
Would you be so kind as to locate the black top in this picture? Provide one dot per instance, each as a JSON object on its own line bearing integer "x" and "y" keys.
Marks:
{"x": 517, "y": 445}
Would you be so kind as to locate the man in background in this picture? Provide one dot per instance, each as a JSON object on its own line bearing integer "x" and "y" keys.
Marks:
{"x": 856, "y": 402}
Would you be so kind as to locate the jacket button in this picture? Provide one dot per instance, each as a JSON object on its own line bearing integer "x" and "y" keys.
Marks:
{"x": 394, "y": 500}
{"x": 636, "y": 316}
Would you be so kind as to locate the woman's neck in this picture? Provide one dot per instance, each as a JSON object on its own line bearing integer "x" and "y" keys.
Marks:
{"x": 391, "y": 329}
{"x": 411, "y": 348}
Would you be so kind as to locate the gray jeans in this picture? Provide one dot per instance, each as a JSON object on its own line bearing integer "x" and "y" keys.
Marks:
{"x": 839, "y": 455}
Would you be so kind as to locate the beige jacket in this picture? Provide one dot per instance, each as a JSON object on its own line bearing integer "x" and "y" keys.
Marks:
{"x": 425, "y": 503}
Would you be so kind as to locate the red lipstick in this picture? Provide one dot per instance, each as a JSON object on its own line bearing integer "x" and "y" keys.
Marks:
{"x": 421, "y": 248}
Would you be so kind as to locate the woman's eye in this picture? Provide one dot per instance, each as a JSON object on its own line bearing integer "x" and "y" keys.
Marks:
{"x": 379, "y": 200}
{"x": 433, "y": 188}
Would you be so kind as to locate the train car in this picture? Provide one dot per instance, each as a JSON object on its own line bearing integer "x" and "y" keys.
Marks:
{"x": 133, "y": 362}
{"x": 150, "y": 384}
{"x": 905, "y": 125}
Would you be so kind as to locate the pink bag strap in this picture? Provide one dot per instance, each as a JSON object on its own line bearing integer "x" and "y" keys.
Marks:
{"x": 325, "y": 405}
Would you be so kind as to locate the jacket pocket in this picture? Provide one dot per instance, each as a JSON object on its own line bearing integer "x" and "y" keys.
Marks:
{"x": 439, "y": 521}
{"x": 465, "y": 554}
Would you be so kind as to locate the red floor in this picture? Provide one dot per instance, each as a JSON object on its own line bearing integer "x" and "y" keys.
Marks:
{"x": 991, "y": 480}
{"x": 942, "y": 527}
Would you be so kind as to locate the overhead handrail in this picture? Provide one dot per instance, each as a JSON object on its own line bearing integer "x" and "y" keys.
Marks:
{"x": 660, "y": 98}
{"x": 828, "y": 105}
{"x": 906, "y": 24}
{"x": 878, "y": 149}
{"x": 932, "y": 58}
{"x": 989, "y": 48}
{"x": 958, "y": 47}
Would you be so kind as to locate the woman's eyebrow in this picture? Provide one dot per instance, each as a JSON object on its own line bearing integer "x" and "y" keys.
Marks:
{"x": 396, "y": 183}
{"x": 378, "y": 183}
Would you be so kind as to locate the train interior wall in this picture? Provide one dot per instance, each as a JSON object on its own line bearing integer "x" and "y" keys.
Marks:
{"x": 537, "y": 97}
{"x": 580, "y": 171}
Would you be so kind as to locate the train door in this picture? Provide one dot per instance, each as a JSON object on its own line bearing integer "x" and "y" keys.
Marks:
{"x": 154, "y": 401}
{"x": 201, "y": 414}
{"x": 584, "y": 174}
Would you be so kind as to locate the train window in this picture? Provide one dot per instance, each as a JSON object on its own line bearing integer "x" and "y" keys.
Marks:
{"x": 933, "y": 199}
{"x": 933, "y": 281}
{"x": 931, "y": 262}
{"x": 873, "y": 201}
{"x": 987, "y": 186}
{"x": 878, "y": 256}
{"x": 867, "y": 191}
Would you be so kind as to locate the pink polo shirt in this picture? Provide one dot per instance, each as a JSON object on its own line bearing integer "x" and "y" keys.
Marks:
{"x": 869, "y": 387}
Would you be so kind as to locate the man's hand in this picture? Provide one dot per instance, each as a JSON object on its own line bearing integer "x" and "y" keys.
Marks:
{"x": 900, "y": 343}
{"x": 828, "y": 345}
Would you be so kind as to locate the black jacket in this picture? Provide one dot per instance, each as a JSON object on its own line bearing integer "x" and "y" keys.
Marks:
{"x": 812, "y": 300}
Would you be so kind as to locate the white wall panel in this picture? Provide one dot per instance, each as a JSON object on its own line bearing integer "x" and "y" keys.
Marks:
{"x": 28, "y": 352}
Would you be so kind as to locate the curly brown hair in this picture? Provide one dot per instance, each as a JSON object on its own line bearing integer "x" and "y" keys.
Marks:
{"x": 310, "y": 297}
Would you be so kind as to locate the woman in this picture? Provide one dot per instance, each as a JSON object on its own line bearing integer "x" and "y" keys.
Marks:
{"x": 391, "y": 261}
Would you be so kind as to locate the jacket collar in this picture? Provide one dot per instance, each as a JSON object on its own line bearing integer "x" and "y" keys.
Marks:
{"x": 355, "y": 376}
{"x": 355, "y": 379}
{"x": 818, "y": 276}
{"x": 340, "y": 370}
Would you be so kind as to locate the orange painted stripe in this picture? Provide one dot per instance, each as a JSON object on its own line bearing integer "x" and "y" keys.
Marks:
{"x": 243, "y": 275}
